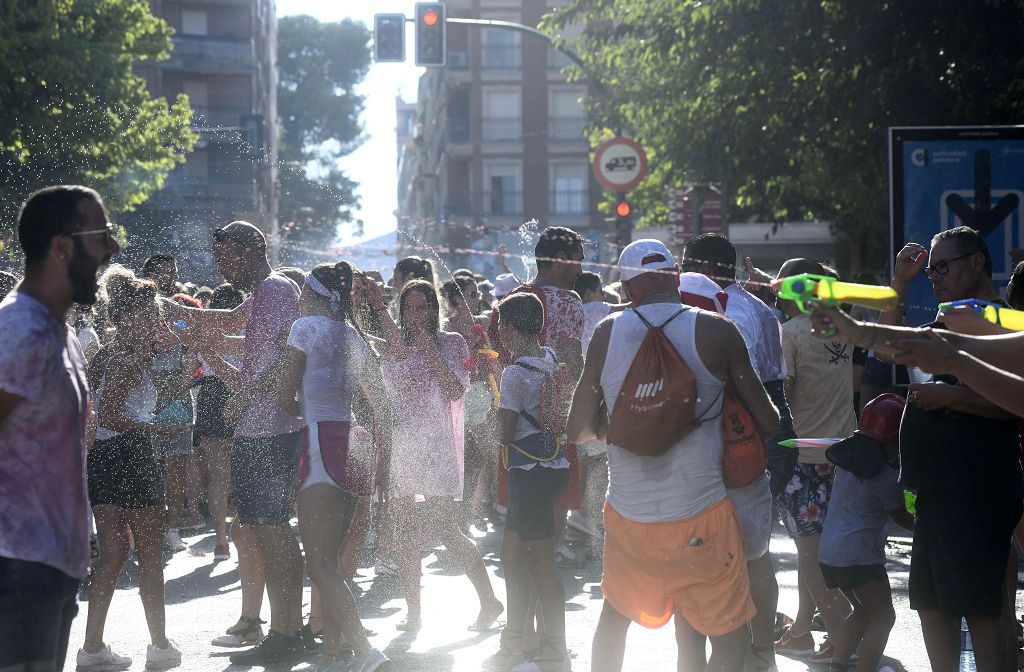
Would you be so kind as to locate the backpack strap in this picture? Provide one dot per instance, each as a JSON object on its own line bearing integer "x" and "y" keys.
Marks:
{"x": 662, "y": 325}
{"x": 530, "y": 367}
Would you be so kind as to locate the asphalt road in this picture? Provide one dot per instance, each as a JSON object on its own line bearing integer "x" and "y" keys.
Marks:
{"x": 203, "y": 598}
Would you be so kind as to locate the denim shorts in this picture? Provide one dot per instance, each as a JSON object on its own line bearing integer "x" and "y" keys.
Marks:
{"x": 532, "y": 494}
{"x": 37, "y": 604}
{"x": 263, "y": 478}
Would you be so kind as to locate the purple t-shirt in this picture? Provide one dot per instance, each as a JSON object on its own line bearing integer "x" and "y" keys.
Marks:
{"x": 272, "y": 309}
{"x": 44, "y": 504}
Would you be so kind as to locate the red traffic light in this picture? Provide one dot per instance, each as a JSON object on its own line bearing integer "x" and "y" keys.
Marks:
{"x": 430, "y": 18}
{"x": 623, "y": 209}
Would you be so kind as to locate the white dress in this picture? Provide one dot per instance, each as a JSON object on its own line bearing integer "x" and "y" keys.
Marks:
{"x": 428, "y": 442}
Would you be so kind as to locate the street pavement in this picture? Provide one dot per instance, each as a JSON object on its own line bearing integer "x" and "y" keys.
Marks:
{"x": 203, "y": 598}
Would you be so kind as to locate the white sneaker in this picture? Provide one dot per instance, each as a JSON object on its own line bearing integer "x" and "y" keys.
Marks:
{"x": 373, "y": 660}
{"x": 173, "y": 542}
{"x": 161, "y": 659}
{"x": 103, "y": 660}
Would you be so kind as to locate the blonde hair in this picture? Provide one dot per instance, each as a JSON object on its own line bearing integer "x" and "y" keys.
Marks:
{"x": 124, "y": 293}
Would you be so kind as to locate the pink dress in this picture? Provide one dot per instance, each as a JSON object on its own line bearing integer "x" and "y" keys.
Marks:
{"x": 428, "y": 443}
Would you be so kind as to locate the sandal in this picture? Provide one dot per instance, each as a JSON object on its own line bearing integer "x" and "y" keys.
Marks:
{"x": 234, "y": 638}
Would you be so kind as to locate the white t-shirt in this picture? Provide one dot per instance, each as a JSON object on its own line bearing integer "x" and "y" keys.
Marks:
{"x": 593, "y": 313}
{"x": 761, "y": 331}
{"x": 520, "y": 391}
{"x": 335, "y": 353}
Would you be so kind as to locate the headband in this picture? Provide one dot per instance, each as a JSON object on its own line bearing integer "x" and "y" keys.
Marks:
{"x": 318, "y": 287}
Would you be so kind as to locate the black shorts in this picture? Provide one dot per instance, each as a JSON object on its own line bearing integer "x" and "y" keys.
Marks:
{"x": 37, "y": 604}
{"x": 532, "y": 494}
{"x": 213, "y": 394}
{"x": 853, "y": 577}
{"x": 958, "y": 561}
{"x": 123, "y": 472}
{"x": 263, "y": 472}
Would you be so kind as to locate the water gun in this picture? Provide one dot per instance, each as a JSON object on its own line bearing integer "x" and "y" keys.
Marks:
{"x": 910, "y": 501}
{"x": 492, "y": 355}
{"x": 996, "y": 314}
{"x": 808, "y": 289}
{"x": 809, "y": 443}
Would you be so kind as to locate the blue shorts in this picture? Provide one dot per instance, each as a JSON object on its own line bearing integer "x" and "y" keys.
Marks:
{"x": 263, "y": 478}
{"x": 532, "y": 494}
{"x": 37, "y": 604}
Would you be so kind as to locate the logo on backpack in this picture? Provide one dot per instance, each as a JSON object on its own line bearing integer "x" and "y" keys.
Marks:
{"x": 649, "y": 389}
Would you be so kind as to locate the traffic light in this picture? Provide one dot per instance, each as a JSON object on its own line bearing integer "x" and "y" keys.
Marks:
{"x": 623, "y": 209}
{"x": 430, "y": 34}
{"x": 389, "y": 38}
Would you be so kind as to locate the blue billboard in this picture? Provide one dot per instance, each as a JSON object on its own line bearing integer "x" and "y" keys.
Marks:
{"x": 940, "y": 178}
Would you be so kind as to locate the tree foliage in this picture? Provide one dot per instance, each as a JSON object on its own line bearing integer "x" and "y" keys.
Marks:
{"x": 73, "y": 111}
{"x": 319, "y": 66}
{"x": 786, "y": 104}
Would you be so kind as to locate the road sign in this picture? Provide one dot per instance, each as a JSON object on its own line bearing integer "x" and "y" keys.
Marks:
{"x": 941, "y": 178}
{"x": 681, "y": 206}
{"x": 620, "y": 164}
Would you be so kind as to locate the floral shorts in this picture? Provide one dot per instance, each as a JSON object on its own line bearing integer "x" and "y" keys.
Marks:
{"x": 804, "y": 503}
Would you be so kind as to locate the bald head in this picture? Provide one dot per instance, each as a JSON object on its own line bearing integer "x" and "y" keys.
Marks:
{"x": 242, "y": 234}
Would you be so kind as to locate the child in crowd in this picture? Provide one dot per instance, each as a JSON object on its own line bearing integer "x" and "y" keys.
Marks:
{"x": 538, "y": 472}
{"x": 852, "y": 552}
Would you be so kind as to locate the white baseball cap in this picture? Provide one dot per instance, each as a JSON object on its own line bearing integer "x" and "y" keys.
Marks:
{"x": 703, "y": 292}
{"x": 503, "y": 284}
{"x": 643, "y": 256}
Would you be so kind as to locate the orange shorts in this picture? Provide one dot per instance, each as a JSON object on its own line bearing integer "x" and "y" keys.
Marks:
{"x": 693, "y": 567}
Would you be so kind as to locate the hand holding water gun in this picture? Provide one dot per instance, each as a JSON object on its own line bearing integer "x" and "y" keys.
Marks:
{"x": 1012, "y": 320}
{"x": 807, "y": 290}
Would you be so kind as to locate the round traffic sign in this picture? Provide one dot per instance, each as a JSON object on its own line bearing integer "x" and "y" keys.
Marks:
{"x": 620, "y": 164}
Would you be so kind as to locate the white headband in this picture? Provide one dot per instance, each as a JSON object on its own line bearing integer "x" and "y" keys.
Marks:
{"x": 318, "y": 287}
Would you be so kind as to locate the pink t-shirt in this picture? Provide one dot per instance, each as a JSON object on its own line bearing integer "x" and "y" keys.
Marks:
{"x": 44, "y": 504}
{"x": 273, "y": 308}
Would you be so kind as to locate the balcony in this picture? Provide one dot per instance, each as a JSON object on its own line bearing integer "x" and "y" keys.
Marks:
{"x": 458, "y": 129}
{"x": 502, "y": 130}
{"x": 569, "y": 203}
{"x": 566, "y": 129}
{"x": 206, "y": 54}
{"x": 218, "y": 116}
{"x": 187, "y": 192}
{"x": 501, "y": 57}
{"x": 503, "y": 203}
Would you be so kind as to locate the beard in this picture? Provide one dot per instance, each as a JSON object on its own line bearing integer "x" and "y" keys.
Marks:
{"x": 82, "y": 274}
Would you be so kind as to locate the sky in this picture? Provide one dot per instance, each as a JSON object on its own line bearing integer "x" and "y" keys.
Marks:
{"x": 373, "y": 164}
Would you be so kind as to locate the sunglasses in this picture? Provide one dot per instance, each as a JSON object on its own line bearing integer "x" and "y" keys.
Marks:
{"x": 942, "y": 267}
{"x": 110, "y": 231}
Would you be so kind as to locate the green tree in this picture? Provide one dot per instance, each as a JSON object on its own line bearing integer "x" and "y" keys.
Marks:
{"x": 787, "y": 104}
{"x": 319, "y": 66}
{"x": 71, "y": 110}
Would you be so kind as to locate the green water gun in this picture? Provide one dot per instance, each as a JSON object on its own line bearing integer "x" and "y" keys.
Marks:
{"x": 808, "y": 289}
{"x": 996, "y": 314}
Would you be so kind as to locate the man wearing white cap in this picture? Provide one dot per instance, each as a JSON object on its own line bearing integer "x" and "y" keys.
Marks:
{"x": 673, "y": 545}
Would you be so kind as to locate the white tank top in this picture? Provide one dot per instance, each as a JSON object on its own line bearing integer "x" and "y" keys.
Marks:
{"x": 139, "y": 405}
{"x": 688, "y": 478}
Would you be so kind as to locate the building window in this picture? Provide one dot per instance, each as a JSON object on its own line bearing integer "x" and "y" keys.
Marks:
{"x": 502, "y": 121}
{"x": 501, "y": 50}
{"x": 503, "y": 195}
{"x": 569, "y": 195}
{"x": 193, "y": 22}
{"x": 566, "y": 119}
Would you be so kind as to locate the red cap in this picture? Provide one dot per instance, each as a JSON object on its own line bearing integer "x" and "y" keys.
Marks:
{"x": 881, "y": 417}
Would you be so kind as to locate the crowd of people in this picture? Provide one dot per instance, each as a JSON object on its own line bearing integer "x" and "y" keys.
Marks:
{"x": 657, "y": 413}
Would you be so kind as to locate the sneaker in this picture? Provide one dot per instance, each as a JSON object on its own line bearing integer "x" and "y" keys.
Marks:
{"x": 311, "y": 640}
{"x": 222, "y": 552}
{"x": 161, "y": 659}
{"x": 549, "y": 659}
{"x": 566, "y": 557}
{"x": 248, "y": 636}
{"x": 372, "y": 661}
{"x": 796, "y": 646}
{"x": 386, "y": 568}
{"x": 173, "y": 542}
{"x": 274, "y": 648}
{"x": 503, "y": 661}
{"x": 103, "y": 660}
{"x": 824, "y": 654}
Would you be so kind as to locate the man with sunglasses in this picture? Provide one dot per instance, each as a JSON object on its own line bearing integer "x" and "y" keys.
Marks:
{"x": 44, "y": 402}
{"x": 961, "y": 453}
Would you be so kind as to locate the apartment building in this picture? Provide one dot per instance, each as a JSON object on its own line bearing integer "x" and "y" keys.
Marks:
{"x": 495, "y": 141}
{"x": 224, "y": 59}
